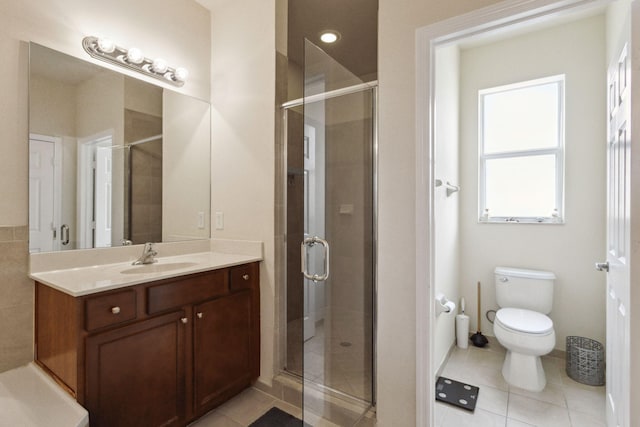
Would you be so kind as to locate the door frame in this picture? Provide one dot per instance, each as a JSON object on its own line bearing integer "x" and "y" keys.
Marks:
{"x": 86, "y": 186}
{"x": 428, "y": 38}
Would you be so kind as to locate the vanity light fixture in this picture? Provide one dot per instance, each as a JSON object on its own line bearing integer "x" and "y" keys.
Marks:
{"x": 106, "y": 45}
{"x": 159, "y": 65}
{"x": 330, "y": 36}
{"x": 134, "y": 56}
{"x": 133, "y": 59}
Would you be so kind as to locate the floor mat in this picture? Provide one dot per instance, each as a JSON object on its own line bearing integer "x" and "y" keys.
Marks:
{"x": 456, "y": 393}
{"x": 276, "y": 417}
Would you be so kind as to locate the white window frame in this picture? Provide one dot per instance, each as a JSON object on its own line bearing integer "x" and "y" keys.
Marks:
{"x": 558, "y": 152}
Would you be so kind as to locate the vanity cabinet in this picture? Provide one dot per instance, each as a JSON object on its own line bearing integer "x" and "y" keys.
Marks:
{"x": 222, "y": 362}
{"x": 156, "y": 354}
{"x": 136, "y": 374}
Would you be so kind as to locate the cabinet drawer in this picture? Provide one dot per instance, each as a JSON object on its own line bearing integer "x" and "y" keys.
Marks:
{"x": 187, "y": 291}
{"x": 110, "y": 309}
{"x": 243, "y": 276}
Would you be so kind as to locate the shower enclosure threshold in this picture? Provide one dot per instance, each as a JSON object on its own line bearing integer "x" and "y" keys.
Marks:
{"x": 324, "y": 403}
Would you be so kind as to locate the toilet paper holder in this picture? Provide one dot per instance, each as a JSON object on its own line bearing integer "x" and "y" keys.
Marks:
{"x": 443, "y": 305}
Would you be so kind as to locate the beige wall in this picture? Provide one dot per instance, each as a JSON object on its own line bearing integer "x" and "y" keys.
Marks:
{"x": 52, "y": 107}
{"x": 141, "y": 97}
{"x": 569, "y": 250}
{"x": 14, "y": 131}
{"x": 446, "y": 209}
{"x": 243, "y": 150}
{"x": 186, "y": 130}
{"x": 398, "y": 20}
{"x": 16, "y": 299}
{"x": 179, "y": 32}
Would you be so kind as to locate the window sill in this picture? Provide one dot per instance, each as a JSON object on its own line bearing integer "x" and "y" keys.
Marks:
{"x": 545, "y": 221}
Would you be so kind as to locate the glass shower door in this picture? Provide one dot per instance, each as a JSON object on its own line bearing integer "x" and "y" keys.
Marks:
{"x": 337, "y": 243}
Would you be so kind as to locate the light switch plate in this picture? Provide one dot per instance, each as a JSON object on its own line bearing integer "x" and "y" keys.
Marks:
{"x": 201, "y": 220}
{"x": 219, "y": 221}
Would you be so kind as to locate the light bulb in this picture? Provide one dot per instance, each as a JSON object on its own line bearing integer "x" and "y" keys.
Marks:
{"x": 330, "y": 36}
{"x": 106, "y": 45}
{"x": 181, "y": 74}
{"x": 135, "y": 56}
{"x": 159, "y": 66}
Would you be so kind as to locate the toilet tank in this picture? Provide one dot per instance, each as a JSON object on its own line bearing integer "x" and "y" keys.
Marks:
{"x": 520, "y": 288}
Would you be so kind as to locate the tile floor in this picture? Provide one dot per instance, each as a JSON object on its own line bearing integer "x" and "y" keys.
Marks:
{"x": 249, "y": 405}
{"x": 244, "y": 409}
{"x": 563, "y": 403}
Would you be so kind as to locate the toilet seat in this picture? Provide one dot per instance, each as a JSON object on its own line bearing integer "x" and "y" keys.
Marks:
{"x": 524, "y": 321}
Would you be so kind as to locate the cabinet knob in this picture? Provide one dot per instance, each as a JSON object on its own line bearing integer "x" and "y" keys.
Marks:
{"x": 184, "y": 320}
{"x": 245, "y": 276}
{"x": 115, "y": 310}
{"x": 199, "y": 315}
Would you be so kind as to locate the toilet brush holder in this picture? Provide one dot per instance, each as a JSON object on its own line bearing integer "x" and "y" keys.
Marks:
{"x": 462, "y": 331}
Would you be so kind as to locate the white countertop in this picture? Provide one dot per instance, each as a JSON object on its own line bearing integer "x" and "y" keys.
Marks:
{"x": 98, "y": 278}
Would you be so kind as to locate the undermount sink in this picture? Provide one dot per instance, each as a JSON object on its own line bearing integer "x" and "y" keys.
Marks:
{"x": 157, "y": 268}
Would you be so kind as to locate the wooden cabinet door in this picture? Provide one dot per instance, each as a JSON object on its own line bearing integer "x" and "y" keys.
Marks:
{"x": 136, "y": 374}
{"x": 222, "y": 349}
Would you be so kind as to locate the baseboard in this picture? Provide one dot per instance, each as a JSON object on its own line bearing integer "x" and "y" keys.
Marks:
{"x": 445, "y": 359}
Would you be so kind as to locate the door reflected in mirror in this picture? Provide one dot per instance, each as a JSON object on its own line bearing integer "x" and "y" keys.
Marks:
{"x": 113, "y": 160}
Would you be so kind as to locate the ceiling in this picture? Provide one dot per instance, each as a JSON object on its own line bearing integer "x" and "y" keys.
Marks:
{"x": 355, "y": 20}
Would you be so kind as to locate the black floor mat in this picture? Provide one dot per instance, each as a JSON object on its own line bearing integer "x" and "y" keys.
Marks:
{"x": 456, "y": 393}
{"x": 276, "y": 417}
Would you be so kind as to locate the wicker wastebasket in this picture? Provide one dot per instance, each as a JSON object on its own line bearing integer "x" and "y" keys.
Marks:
{"x": 585, "y": 360}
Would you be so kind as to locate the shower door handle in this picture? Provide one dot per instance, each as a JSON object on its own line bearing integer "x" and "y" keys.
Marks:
{"x": 64, "y": 234}
{"x": 310, "y": 242}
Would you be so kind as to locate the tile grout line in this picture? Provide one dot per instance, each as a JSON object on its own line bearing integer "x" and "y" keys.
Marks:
{"x": 467, "y": 362}
{"x": 566, "y": 401}
{"x": 506, "y": 418}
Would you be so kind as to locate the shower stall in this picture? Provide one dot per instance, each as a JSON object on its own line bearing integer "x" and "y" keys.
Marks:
{"x": 329, "y": 188}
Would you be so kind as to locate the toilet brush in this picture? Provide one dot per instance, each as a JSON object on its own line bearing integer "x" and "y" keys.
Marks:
{"x": 478, "y": 339}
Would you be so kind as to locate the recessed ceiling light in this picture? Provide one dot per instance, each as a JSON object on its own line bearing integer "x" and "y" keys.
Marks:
{"x": 329, "y": 36}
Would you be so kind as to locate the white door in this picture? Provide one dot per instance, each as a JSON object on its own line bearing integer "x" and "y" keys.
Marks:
{"x": 42, "y": 227}
{"x": 103, "y": 194}
{"x": 618, "y": 242}
{"x": 95, "y": 174}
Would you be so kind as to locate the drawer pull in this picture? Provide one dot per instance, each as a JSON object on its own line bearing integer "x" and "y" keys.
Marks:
{"x": 115, "y": 310}
{"x": 184, "y": 320}
{"x": 245, "y": 276}
{"x": 199, "y": 315}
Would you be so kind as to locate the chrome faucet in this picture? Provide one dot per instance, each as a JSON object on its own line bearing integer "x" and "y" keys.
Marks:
{"x": 147, "y": 256}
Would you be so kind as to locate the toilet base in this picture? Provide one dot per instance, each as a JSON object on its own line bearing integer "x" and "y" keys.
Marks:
{"x": 524, "y": 371}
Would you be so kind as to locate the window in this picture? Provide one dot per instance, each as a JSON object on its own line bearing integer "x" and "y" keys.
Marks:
{"x": 521, "y": 140}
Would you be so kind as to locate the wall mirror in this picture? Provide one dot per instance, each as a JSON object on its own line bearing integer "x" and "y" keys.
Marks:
{"x": 113, "y": 160}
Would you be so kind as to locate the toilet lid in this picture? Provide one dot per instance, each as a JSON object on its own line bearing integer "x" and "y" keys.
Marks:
{"x": 521, "y": 320}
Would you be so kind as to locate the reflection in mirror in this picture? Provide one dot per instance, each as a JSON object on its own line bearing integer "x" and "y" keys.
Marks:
{"x": 112, "y": 160}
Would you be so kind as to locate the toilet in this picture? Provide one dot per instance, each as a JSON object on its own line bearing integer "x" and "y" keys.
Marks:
{"x": 522, "y": 326}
